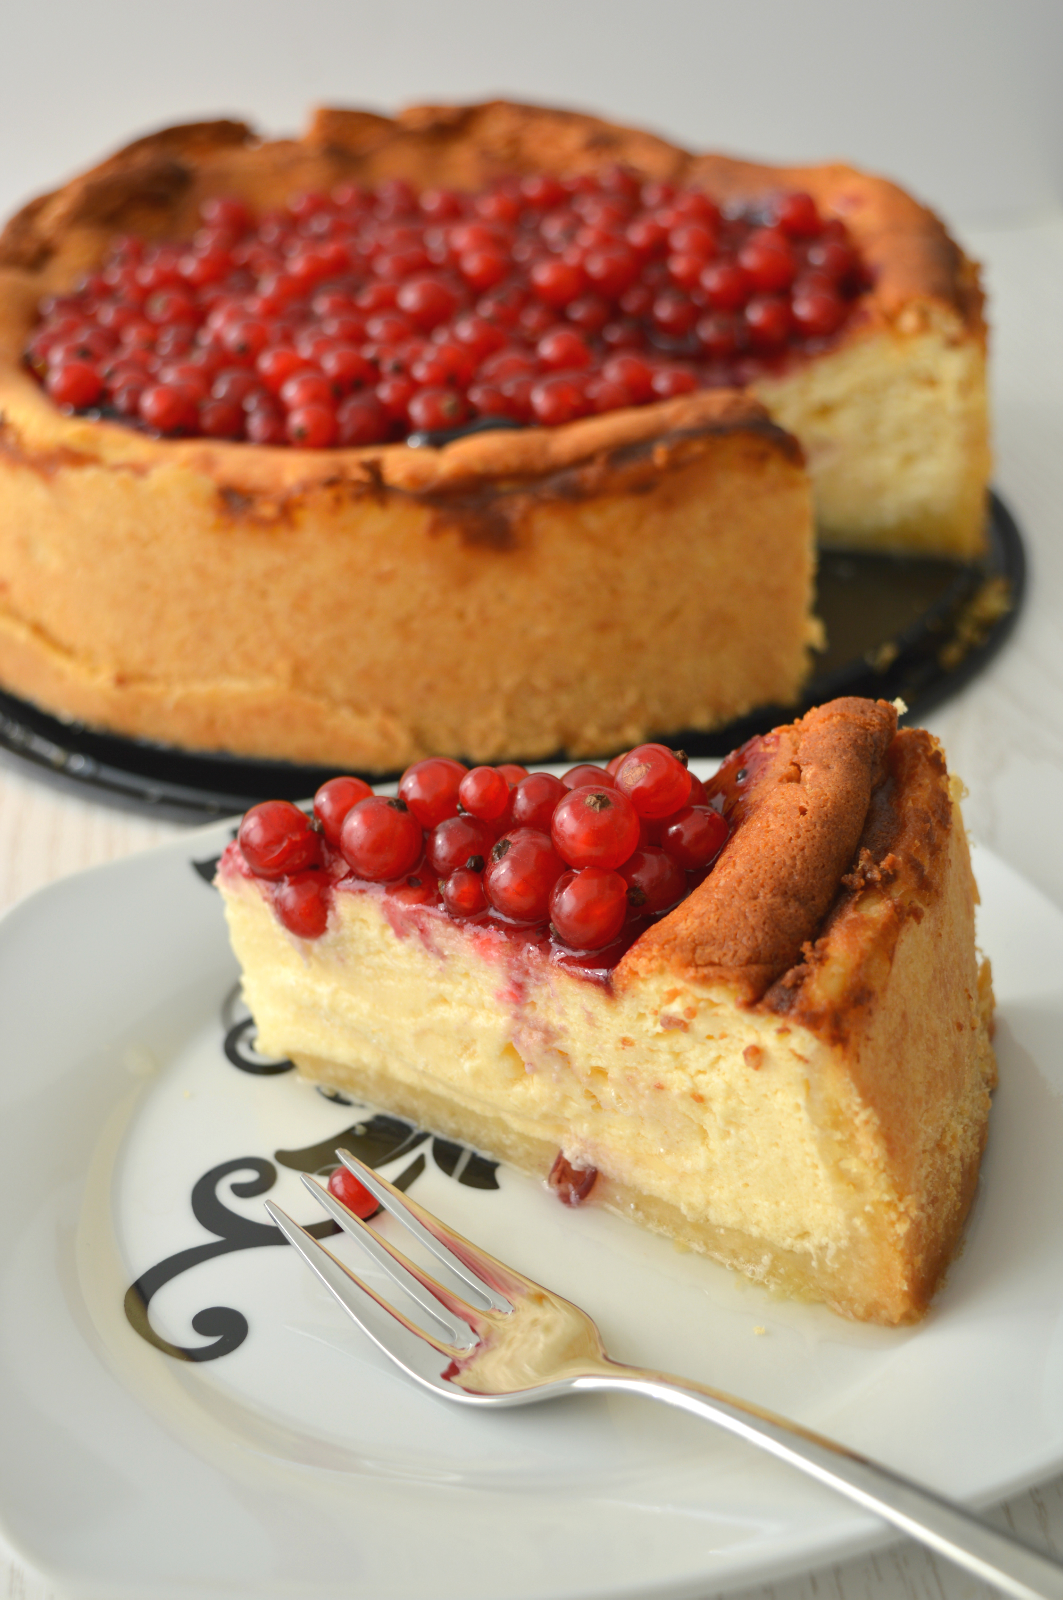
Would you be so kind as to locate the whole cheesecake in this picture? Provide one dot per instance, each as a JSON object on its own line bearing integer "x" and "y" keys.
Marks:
{"x": 765, "y": 1034}
{"x": 329, "y": 575}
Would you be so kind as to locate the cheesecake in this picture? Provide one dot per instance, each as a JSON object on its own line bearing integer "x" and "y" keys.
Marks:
{"x": 240, "y": 505}
{"x": 748, "y": 1015}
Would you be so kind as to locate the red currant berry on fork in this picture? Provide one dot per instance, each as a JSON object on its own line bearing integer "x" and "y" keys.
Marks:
{"x": 354, "y": 1195}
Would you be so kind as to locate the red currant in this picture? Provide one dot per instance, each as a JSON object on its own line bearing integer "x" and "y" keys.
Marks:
{"x": 437, "y": 409}
{"x": 484, "y": 793}
{"x": 463, "y": 892}
{"x": 454, "y": 842}
{"x": 168, "y": 407}
{"x": 276, "y": 839}
{"x": 533, "y": 801}
{"x": 361, "y": 420}
{"x": 654, "y": 780}
{"x": 674, "y": 312}
{"x": 589, "y": 313}
{"x": 541, "y": 190}
{"x": 74, "y": 383}
{"x": 768, "y": 257}
{"x": 478, "y": 335}
{"x": 354, "y": 1195}
{"x": 817, "y": 312}
{"x": 796, "y": 214}
{"x": 595, "y": 827}
{"x": 563, "y": 349}
{"x": 669, "y": 381}
{"x": 333, "y": 801}
{"x": 655, "y": 881}
{"x": 634, "y": 373}
{"x": 694, "y": 836}
{"x": 346, "y": 368}
{"x": 768, "y": 321}
{"x": 483, "y": 268}
{"x": 611, "y": 268}
{"x": 312, "y": 427}
{"x": 586, "y": 773}
{"x": 834, "y": 258}
{"x": 589, "y": 908}
{"x": 430, "y": 789}
{"x": 557, "y": 282}
{"x": 443, "y": 362}
{"x": 428, "y": 301}
{"x": 381, "y": 839}
{"x": 726, "y": 285}
{"x": 602, "y": 395}
{"x": 301, "y": 903}
{"x": 571, "y": 1184}
{"x": 718, "y": 335}
{"x": 220, "y": 419}
{"x": 278, "y": 366}
{"x": 265, "y": 425}
{"x": 558, "y": 400}
{"x": 520, "y": 875}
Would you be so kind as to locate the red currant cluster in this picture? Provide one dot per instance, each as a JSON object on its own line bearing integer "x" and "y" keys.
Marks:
{"x": 588, "y": 853}
{"x": 359, "y": 316}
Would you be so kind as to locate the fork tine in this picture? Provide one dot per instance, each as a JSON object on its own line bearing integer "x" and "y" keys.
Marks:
{"x": 482, "y": 1275}
{"x": 408, "y": 1345}
{"x": 431, "y": 1296}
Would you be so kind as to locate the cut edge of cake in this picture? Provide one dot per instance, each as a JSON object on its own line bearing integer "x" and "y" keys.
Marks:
{"x": 817, "y": 1124}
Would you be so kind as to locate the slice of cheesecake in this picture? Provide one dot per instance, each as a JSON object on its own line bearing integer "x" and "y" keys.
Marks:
{"x": 790, "y": 1070}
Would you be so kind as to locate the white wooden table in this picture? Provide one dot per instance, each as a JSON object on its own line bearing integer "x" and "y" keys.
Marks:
{"x": 1004, "y": 735}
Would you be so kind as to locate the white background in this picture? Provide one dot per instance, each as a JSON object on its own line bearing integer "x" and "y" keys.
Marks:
{"x": 959, "y": 99}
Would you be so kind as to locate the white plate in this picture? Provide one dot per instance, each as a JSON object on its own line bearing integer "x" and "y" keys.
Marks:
{"x": 298, "y": 1464}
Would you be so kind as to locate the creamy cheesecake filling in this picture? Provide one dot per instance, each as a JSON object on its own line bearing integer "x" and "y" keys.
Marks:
{"x": 669, "y": 1091}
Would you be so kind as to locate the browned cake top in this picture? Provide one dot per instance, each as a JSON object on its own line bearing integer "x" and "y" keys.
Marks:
{"x": 798, "y": 801}
{"x": 155, "y": 184}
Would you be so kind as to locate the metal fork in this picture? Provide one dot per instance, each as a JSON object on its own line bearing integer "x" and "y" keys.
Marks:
{"x": 510, "y": 1342}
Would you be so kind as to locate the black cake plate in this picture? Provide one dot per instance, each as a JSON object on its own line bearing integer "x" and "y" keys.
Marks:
{"x": 896, "y": 626}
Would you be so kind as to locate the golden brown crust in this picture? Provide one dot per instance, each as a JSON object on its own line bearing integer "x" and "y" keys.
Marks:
{"x": 795, "y": 832}
{"x": 892, "y": 986}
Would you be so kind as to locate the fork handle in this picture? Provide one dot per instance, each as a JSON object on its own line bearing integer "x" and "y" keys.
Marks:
{"x": 946, "y": 1528}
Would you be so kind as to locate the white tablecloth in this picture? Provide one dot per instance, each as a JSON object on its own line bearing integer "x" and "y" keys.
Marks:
{"x": 1004, "y": 734}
